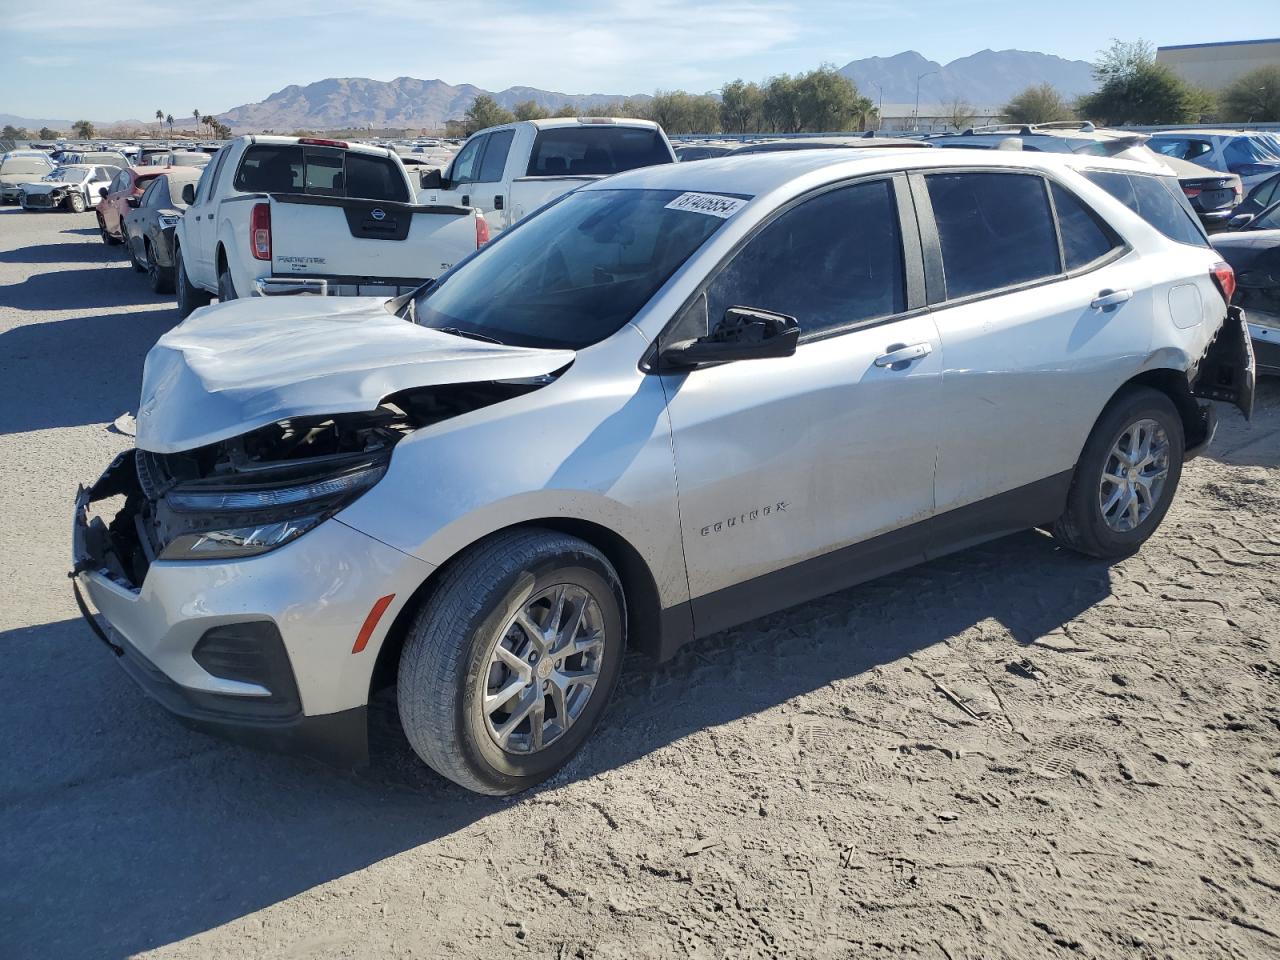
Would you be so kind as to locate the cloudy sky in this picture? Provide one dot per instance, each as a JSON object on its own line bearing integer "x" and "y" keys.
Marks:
{"x": 105, "y": 61}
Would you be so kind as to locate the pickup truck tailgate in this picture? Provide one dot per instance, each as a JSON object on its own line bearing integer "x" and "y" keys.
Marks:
{"x": 350, "y": 242}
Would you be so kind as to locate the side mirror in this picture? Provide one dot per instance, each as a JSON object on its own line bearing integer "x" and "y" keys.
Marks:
{"x": 188, "y": 193}
{"x": 1241, "y": 220}
{"x": 743, "y": 334}
{"x": 102, "y": 192}
{"x": 431, "y": 179}
{"x": 133, "y": 201}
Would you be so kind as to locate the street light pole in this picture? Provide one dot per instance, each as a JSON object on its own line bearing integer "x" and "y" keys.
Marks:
{"x": 915, "y": 117}
{"x": 880, "y": 109}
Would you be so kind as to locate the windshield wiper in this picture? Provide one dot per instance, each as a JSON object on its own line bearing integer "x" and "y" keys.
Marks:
{"x": 470, "y": 335}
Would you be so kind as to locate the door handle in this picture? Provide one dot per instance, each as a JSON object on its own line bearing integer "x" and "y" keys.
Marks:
{"x": 900, "y": 356}
{"x": 466, "y": 199}
{"x": 1108, "y": 300}
{"x": 497, "y": 202}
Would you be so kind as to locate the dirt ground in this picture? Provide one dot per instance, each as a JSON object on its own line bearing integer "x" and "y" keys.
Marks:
{"x": 1010, "y": 753}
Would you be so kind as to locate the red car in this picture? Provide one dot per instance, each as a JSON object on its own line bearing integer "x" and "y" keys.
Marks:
{"x": 121, "y": 197}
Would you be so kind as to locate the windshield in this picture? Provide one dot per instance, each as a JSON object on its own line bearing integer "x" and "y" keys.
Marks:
{"x": 68, "y": 174}
{"x": 573, "y": 274}
{"x": 23, "y": 165}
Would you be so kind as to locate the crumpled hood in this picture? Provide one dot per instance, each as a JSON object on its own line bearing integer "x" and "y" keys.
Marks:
{"x": 48, "y": 186}
{"x": 235, "y": 367}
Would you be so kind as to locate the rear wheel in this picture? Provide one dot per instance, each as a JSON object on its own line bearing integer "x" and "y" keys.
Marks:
{"x": 226, "y": 286}
{"x": 160, "y": 278}
{"x": 107, "y": 238}
{"x": 190, "y": 297}
{"x": 138, "y": 265}
{"x": 511, "y": 662}
{"x": 1126, "y": 477}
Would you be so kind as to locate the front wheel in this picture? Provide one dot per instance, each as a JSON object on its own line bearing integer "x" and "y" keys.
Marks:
{"x": 190, "y": 297}
{"x": 1126, "y": 477}
{"x": 76, "y": 204}
{"x": 511, "y": 662}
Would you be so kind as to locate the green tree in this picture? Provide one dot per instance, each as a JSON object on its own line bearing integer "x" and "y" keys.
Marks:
{"x": 741, "y": 107}
{"x": 1254, "y": 97}
{"x": 160, "y": 116}
{"x": 168, "y": 119}
{"x": 568, "y": 110}
{"x": 195, "y": 115}
{"x": 781, "y": 105}
{"x": 1038, "y": 104}
{"x": 1134, "y": 88}
{"x": 531, "y": 110}
{"x": 47, "y": 133}
{"x": 10, "y": 132}
{"x": 485, "y": 112}
{"x": 83, "y": 129}
{"x": 825, "y": 100}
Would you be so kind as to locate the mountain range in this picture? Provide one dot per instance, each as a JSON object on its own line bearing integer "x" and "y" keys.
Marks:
{"x": 985, "y": 79}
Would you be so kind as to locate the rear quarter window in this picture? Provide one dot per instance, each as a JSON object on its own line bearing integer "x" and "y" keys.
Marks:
{"x": 1157, "y": 200}
{"x": 1085, "y": 237}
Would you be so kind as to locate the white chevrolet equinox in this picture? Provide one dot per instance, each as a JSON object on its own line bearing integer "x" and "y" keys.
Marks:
{"x": 673, "y": 401}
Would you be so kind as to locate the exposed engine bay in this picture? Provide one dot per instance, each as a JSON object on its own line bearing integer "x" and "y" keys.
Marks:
{"x": 258, "y": 490}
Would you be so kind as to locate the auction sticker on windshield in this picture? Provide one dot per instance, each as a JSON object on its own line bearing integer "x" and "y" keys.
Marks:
{"x": 711, "y": 204}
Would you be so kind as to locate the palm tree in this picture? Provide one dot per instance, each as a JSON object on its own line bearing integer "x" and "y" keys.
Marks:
{"x": 169, "y": 120}
{"x": 196, "y": 115}
{"x": 160, "y": 115}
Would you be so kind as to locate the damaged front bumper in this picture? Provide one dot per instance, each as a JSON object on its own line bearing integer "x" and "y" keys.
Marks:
{"x": 259, "y": 650}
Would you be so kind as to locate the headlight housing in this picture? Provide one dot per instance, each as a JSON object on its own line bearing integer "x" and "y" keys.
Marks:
{"x": 217, "y": 521}
{"x": 168, "y": 223}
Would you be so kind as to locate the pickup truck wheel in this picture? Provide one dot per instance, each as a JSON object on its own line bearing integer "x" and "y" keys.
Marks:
{"x": 190, "y": 297}
{"x": 509, "y": 665}
{"x": 160, "y": 278}
{"x": 1126, "y": 477}
{"x": 75, "y": 203}
{"x": 226, "y": 286}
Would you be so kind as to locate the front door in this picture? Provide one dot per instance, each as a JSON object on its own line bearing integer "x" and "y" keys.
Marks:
{"x": 781, "y": 463}
{"x": 489, "y": 191}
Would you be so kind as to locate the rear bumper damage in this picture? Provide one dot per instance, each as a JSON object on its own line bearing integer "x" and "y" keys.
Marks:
{"x": 1227, "y": 370}
{"x": 257, "y": 650}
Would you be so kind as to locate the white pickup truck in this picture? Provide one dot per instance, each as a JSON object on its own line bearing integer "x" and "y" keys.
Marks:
{"x": 282, "y": 215}
{"x": 512, "y": 170}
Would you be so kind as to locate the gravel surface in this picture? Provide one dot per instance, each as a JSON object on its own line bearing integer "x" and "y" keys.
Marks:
{"x": 1012, "y": 752}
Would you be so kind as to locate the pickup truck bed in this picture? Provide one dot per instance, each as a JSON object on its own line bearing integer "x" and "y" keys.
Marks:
{"x": 384, "y": 252}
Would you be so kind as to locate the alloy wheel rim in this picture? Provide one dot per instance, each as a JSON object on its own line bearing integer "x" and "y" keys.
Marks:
{"x": 543, "y": 668}
{"x": 1134, "y": 475}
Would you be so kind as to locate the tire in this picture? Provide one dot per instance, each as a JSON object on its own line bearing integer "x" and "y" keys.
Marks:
{"x": 1119, "y": 532}
{"x": 138, "y": 265}
{"x": 107, "y": 238}
{"x": 448, "y": 661}
{"x": 76, "y": 204}
{"x": 226, "y": 286}
{"x": 159, "y": 278}
{"x": 190, "y": 297}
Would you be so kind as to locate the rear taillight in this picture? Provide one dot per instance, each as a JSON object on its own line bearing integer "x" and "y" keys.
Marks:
{"x": 1224, "y": 278}
{"x": 1191, "y": 191}
{"x": 260, "y": 231}
{"x": 482, "y": 230}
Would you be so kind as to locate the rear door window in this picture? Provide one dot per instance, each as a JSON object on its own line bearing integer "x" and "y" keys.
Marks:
{"x": 1157, "y": 200}
{"x": 996, "y": 230}
{"x": 595, "y": 150}
{"x": 833, "y": 261}
{"x": 1085, "y": 237}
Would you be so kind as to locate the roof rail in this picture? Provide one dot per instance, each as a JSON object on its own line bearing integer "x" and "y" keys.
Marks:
{"x": 1023, "y": 129}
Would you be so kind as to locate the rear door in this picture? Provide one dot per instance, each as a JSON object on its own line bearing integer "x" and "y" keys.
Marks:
{"x": 1037, "y": 334}
{"x": 783, "y": 462}
{"x": 491, "y": 191}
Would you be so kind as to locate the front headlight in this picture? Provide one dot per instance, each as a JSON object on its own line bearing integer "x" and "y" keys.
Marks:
{"x": 234, "y": 520}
